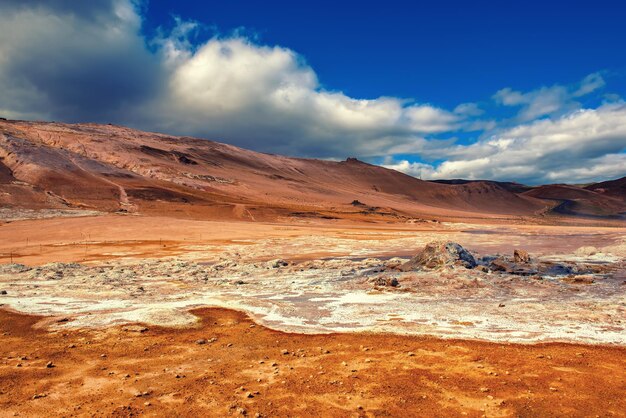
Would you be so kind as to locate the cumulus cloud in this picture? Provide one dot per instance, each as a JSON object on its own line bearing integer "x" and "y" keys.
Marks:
{"x": 582, "y": 146}
{"x": 545, "y": 101}
{"x": 58, "y": 61}
{"x": 90, "y": 61}
{"x": 93, "y": 63}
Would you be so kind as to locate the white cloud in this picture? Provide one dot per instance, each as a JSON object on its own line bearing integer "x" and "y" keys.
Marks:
{"x": 553, "y": 100}
{"x": 585, "y": 145}
{"x": 267, "y": 97}
{"x": 89, "y": 61}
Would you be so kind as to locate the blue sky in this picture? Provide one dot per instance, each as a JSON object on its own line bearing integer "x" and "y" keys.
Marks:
{"x": 442, "y": 52}
{"x": 530, "y": 92}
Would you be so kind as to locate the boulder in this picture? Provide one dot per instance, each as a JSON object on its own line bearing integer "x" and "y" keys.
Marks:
{"x": 521, "y": 256}
{"x": 440, "y": 254}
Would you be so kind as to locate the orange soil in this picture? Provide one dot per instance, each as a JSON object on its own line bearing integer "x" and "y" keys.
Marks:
{"x": 164, "y": 372}
{"x": 95, "y": 238}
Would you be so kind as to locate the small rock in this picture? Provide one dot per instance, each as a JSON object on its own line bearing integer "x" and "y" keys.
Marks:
{"x": 50, "y": 365}
{"x": 39, "y": 395}
{"x": 278, "y": 263}
{"x": 521, "y": 256}
{"x": 135, "y": 328}
{"x": 284, "y": 351}
{"x": 484, "y": 390}
{"x": 4, "y": 292}
{"x": 201, "y": 341}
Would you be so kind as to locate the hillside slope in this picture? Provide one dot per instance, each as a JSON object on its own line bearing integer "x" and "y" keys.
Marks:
{"x": 112, "y": 168}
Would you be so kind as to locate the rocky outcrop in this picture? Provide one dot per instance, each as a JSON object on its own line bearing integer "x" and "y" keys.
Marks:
{"x": 521, "y": 256}
{"x": 440, "y": 254}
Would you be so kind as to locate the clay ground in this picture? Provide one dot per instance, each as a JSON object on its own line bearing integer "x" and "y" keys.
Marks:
{"x": 121, "y": 371}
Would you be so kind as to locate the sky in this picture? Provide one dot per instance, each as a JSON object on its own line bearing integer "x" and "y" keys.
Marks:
{"x": 519, "y": 91}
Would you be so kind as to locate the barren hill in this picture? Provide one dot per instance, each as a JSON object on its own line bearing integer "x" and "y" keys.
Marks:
{"x": 580, "y": 201}
{"x": 112, "y": 168}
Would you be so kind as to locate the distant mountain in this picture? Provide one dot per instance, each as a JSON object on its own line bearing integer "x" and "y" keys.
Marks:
{"x": 117, "y": 169}
{"x": 578, "y": 201}
{"x": 614, "y": 188}
{"x": 508, "y": 185}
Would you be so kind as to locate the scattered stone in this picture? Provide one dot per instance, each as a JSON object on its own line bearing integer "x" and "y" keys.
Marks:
{"x": 39, "y": 395}
{"x": 201, "y": 341}
{"x": 284, "y": 352}
{"x": 386, "y": 282}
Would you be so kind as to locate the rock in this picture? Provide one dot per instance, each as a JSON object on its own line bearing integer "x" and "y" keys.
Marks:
{"x": 201, "y": 341}
{"x": 50, "y": 365}
{"x": 134, "y": 328}
{"x": 438, "y": 254}
{"x": 521, "y": 256}
{"x": 579, "y": 279}
{"x": 39, "y": 395}
{"x": 586, "y": 251}
{"x": 386, "y": 281}
{"x": 500, "y": 264}
{"x": 3, "y": 292}
{"x": 278, "y": 263}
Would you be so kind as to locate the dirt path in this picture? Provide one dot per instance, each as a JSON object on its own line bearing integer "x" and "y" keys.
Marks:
{"x": 250, "y": 370}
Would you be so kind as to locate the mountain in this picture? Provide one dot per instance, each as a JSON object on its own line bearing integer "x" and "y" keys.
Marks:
{"x": 613, "y": 188}
{"x": 578, "y": 201}
{"x": 117, "y": 169}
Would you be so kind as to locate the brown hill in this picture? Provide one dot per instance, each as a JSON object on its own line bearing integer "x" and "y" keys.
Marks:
{"x": 613, "y": 188}
{"x": 113, "y": 168}
{"x": 578, "y": 201}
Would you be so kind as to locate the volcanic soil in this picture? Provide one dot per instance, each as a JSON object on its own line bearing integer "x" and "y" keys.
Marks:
{"x": 227, "y": 365}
